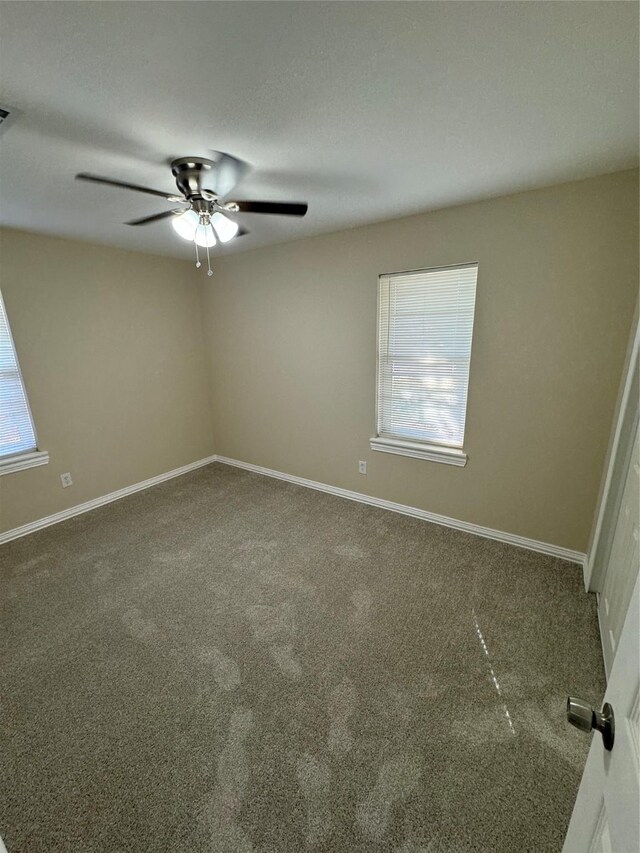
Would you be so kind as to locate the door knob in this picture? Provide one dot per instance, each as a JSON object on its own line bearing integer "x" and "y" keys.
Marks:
{"x": 583, "y": 717}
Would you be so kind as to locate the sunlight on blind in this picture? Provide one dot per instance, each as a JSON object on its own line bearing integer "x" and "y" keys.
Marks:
{"x": 16, "y": 428}
{"x": 425, "y": 325}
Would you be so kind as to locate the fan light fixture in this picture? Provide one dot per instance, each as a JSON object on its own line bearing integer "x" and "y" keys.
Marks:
{"x": 204, "y": 229}
{"x": 201, "y": 184}
{"x": 185, "y": 225}
{"x": 226, "y": 228}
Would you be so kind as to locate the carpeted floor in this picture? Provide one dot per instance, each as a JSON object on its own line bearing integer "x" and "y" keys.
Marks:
{"x": 230, "y": 663}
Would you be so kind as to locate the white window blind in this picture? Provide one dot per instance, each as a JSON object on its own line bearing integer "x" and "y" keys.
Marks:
{"x": 17, "y": 434}
{"x": 425, "y": 325}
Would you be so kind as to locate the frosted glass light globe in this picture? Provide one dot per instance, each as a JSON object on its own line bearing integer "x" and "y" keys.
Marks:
{"x": 226, "y": 228}
{"x": 204, "y": 236}
{"x": 185, "y": 225}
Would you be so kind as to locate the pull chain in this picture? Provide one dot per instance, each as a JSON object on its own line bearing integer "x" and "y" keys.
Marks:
{"x": 209, "y": 270}
{"x": 198, "y": 263}
{"x": 201, "y": 224}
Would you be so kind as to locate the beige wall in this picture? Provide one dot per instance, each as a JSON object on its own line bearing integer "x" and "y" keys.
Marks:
{"x": 292, "y": 340}
{"x": 111, "y": 349}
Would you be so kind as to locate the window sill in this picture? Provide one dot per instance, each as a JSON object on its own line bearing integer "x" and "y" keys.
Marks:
{"x": 419, "y": 450}
{"x": 10, "y": 464}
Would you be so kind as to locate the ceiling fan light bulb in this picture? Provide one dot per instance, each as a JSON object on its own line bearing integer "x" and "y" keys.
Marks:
{"x": 226, "y": 228}
{"x": 204, "y": 236}
{"x": 185, "y": 225}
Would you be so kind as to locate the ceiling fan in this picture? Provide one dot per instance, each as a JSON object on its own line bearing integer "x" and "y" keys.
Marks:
{"x": 202, "y": 185}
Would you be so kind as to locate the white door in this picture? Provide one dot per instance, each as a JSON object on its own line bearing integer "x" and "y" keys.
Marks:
{"x": 622, "y": 570}
{"x": 606, "y": 816}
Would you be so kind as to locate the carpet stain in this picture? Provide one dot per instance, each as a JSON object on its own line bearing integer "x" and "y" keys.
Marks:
{"x": 342, "y": 703}
{"x": 270, "y": 623}
{"x": 138, "y": 626}
{"x": 547, "y": 731}
{"x": 286, "y": 583}
{"x": 397, "y": 780}
{"x": 314, "y": 779}
{"x": 232, "y": 776}
{"x": 225, "y": 671}
{"x": 27, "y": 565}
{"x": 350, "y": 552}
{"x": 103, "y": 572}
{"x": 285, "y": 660}
{"x": 362, "y": 602}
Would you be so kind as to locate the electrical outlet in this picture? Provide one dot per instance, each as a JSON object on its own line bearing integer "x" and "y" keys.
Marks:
{"x": 66, "y": 480}
{"x": 362, "y": 467}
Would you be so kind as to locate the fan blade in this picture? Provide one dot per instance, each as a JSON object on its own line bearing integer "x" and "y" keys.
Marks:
{"x": 96, "y": 179}
{"x": 154, "y": 218}
{"x": 284, "y": 208}
{"x": 225, "y": 175}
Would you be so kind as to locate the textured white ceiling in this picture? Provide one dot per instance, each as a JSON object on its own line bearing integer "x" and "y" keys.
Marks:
{"x": 367, "y": 110}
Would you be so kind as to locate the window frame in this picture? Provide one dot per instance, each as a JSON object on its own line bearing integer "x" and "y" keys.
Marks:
{"x": 22, "y": 459}
{"x": 416, "y": 448}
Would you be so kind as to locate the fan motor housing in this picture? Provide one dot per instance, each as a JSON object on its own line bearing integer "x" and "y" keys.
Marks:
{"x": 188, "y": 172}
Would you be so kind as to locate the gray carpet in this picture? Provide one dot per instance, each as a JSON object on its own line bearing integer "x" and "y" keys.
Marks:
{"x": 230, "y": 663}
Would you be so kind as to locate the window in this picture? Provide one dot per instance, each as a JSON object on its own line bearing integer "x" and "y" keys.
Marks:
{"x": 425, "y": 325}
{"x": 18, "y": 444}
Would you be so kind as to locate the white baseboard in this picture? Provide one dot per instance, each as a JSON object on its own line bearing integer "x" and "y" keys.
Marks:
{"x": 32, "y": 526}
{"x": 414, "y": 512}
